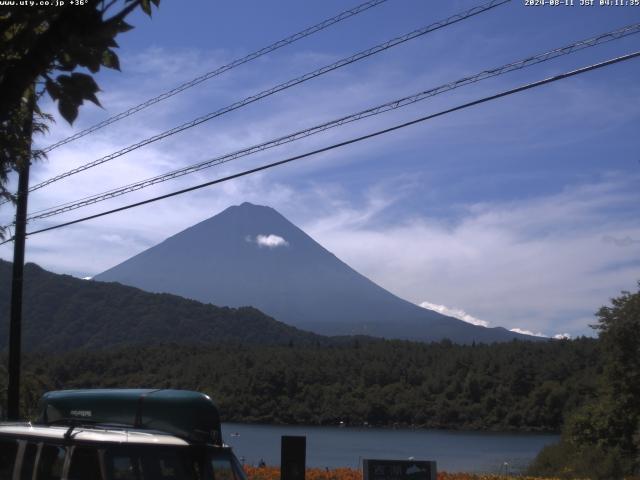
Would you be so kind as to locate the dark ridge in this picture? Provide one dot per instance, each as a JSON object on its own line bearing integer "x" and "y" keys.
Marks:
{"x": 62, "y": 312}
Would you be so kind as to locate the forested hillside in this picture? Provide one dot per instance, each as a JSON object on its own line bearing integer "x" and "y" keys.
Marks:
{"x": 512, "y": 386}
{"x": 601, "y": 439}
{"x": 260, "y": 370}
{"x": 63, "y": 313}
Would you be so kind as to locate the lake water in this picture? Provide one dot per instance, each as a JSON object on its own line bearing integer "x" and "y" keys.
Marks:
{"x": 477, "y": 452}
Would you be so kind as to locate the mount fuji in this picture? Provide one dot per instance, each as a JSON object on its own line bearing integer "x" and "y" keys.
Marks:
{"x": 250, "y": 255}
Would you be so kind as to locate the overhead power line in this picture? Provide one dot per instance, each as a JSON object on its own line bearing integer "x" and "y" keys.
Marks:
{"x": 392, "y": 105}
{"x": 348, "y": 142}
{"x": 283, "y": 86}
{"x": 220, "y": 70}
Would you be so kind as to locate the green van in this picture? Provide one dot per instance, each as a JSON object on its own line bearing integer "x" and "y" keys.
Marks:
{"x": 119, "y": 435}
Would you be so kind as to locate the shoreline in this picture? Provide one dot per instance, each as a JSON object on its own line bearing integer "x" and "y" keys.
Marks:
{"x": 409, "y": 427}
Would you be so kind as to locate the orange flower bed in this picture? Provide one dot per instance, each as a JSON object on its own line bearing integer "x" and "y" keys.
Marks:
{"x": 273, "y": 473}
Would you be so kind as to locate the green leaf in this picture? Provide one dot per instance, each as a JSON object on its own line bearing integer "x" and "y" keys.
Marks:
{"x": 68, "y": 109}
{"x": 66, "y": 61}
{"x": 85, "y": 80}
{"x": 110, "y": 59}
{"x": 86, "y": 86}
{"x": 124, "y": 27}
{"x": 93, "y": 99}
{"x": 78, "y": 87}
{"x": 87, "y": 57}
{"x": 53, "y": 89}
{"x": 94, "y": 62}
{"x": 69, "y": 90}
{"x": 146, "y": 6}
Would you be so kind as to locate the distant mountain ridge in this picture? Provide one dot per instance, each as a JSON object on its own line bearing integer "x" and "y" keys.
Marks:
{"x": 252, "y": 255}
{"x": 62, "y": 313}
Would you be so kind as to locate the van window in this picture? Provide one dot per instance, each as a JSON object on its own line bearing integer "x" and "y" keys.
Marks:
{"x": 51, "y": 462}
{"x": 150, "y": 464}
{"x": 222, "y": 469}
{"x": 169, "y": 466}
{"x": 8, "y": 450}
{"x": 225, "y": 466}
{"x": 125, "y": 467}
{"x": 28, "y": 459}
{"x": 85, "y": 463}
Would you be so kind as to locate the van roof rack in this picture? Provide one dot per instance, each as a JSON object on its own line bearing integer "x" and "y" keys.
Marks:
{"x": 183, "y": 413}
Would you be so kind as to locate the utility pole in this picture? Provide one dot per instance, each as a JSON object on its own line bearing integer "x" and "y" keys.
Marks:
{"x": 15, "y": 328}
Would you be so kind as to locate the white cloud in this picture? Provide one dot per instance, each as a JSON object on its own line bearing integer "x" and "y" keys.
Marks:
{"x": 537, "y": 264}
{"x": 557, "y": 336}
{"x": 527, "y": 332}
{"x": 271, "y": 241}
{"x": 455, "y": 312}
{"x": 114, "y": 238}
{"x": 562, "y": 336}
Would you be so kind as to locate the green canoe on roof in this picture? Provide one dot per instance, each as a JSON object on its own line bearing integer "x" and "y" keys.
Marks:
{"x": 186, "y": 414}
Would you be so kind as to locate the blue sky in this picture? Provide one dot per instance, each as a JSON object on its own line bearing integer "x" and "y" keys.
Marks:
{"x": 521, "y": 213}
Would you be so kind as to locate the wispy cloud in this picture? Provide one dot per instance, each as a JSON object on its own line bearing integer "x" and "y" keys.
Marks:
{"x": 454, "y": 312}
{"x": 620, "y": 242}
{"x": 557, "y": 336}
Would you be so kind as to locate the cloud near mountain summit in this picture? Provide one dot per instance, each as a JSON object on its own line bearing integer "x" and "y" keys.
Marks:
{"x": 271, "y": 241}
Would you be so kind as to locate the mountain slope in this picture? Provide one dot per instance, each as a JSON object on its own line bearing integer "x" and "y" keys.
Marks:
{"x": 252, "y": 255}
{"x": 62, "y": 313}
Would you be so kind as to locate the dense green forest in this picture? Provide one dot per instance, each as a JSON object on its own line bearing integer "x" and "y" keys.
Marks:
{"x": 509, "y": 386}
